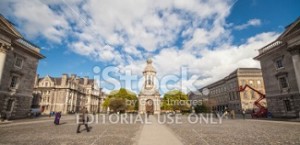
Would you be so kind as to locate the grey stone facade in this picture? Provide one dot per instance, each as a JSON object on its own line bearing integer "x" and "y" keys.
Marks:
{"x": 18, "y": 63}
{"x": 280, "y": 63}
{"x": 67, "y": 94}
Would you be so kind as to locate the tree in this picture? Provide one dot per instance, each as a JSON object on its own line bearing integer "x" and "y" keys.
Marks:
{"x": 117, "y": 104}
{"x": 201, "y": 108}
{"x": 175, "y": 100}
{"x": 121, "y": 100}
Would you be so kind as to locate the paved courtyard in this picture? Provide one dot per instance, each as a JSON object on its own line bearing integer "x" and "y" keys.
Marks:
{"x": 238, "y": 131}
{"x": 43, "y": 131}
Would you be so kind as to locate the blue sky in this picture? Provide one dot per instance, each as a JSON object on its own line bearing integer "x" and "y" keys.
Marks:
{"x": 211, "y": 38}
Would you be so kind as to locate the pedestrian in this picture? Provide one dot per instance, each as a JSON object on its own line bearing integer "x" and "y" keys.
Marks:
{"x": 253, "y": 113}
{"x": 225, "y": 114}
{"x": 244, "y": 114}
{"x": 3, "y": 116}
{"x": 57, "y": 118}
{"x": 83, "y": 120}
{"x": 232, "y": 114}
{"x": 216, "y": 113}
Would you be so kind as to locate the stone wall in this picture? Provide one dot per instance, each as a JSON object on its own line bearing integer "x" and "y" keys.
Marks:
{"x": 22, "y": 96}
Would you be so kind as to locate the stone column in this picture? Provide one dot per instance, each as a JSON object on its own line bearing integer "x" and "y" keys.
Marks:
{"x": 72, "y": 101}
{"x": 66, "y": 102}
{"x": 3, "y": 51}
{"x": 296, "y": 62}
{"x": 152, "y": 80}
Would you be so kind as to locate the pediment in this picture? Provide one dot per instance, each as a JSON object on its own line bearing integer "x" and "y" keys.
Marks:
{"x": 8, "y": 27}
{"x": 46, "y": 79}
{"x": 292, "y": 28}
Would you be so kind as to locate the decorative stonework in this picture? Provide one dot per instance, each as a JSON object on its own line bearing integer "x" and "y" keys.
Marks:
{"x": 149, "y": 97}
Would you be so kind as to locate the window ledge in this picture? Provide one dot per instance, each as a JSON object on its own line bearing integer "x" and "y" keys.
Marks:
{"x": 279, "y": 69}
{"x": 285, "y": 90}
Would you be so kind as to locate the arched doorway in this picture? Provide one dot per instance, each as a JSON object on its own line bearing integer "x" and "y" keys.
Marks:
{"x": 149, "y": 106}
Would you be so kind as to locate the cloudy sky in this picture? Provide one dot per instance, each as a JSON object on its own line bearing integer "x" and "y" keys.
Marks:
{"x": 209, "y": 37}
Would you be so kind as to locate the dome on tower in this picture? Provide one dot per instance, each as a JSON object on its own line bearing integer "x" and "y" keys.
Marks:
{"x": 149, "y": 60}
{"x": 149, "y": 67}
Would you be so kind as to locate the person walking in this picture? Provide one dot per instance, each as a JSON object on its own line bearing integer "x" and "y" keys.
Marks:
{"x": 83, "y": 120}
{"x": 244, "y": 114}
{"x": 232, "y": 112}
{"x": 57, "y": 118}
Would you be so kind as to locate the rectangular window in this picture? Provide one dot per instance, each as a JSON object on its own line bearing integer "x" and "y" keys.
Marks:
{"x": 19, "y": 62}
{"x": 251, "y": 83}
{"x": 14, "y": 82}
{"x": 243, "y": 83}
{"x": 279, "y": 63}
{"x": 283, "y": 82}
{"x": 10, "y": 105}
{"x": 259, "y": 83}
{"x": 253, "y": 95}
{"x": 287, "y": 104}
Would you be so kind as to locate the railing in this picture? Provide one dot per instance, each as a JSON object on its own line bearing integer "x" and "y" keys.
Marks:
{"x": 270, "y": 46}
{"x": 27, "y": 44}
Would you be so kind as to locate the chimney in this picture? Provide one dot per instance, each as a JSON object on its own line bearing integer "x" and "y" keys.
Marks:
{"x": 73, "y": 76}
{"x": 64, "y": 79}
{"x": 77, "y": 79}
{"x": 85, "y": 80}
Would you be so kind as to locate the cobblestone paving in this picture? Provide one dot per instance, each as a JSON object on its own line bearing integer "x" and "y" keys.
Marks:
{"x": 44, "y": 132}
{"x": 237, "y": 132}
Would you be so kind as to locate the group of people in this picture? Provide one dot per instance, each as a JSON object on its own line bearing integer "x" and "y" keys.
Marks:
{"x": 83, "y": 119}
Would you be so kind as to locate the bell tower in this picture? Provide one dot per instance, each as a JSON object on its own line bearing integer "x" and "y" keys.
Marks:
{"x": 149, "y": 75}
{"x": 149, "y": 97}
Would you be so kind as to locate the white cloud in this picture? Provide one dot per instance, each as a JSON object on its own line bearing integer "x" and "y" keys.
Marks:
{"x": 214, "y": 64}
{"x": 251, "y": 22}
{"x": 125, "y": 33}
{"x": 36, "y": 19}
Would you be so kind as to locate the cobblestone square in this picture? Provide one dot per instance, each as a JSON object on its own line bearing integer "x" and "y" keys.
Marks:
{"x": 238, "y": 131}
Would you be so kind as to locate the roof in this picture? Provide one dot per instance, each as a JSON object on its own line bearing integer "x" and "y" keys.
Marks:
{"x": 290, "y": 31}
{"x": 9, "y": 27}
{"x": 149, "y": 67}
{"x": 234, "y": 73}
{"x": 58, "y": 80}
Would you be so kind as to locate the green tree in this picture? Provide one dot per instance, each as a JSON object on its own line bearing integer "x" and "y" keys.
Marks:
{"x": 117, "y": 104}
{"x": 201, "y": 108}
{"x": 121, "y": 100}
{"x": 175, "y": 100}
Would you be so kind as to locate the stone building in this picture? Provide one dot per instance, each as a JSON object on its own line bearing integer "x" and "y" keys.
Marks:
{"x": 149, "y": 97}
{"x": 225, "y": 94}
{"x": 197, "y": 98}
{"x": 67, "y": 94}
{"x": 280, "y": 63}
{"x": 18, "y": 64}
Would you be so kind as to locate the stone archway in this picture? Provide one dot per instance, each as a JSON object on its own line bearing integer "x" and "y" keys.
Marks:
{"x": 149, "y": 106}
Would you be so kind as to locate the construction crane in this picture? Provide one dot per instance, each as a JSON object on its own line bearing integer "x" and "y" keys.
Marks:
{"x": 263, "y": 111}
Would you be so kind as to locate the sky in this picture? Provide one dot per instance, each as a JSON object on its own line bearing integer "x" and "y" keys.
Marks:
{"x": 211, "y": 38}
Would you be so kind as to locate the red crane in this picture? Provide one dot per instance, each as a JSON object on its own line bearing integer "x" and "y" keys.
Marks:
{"x": 263, "y": 111}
